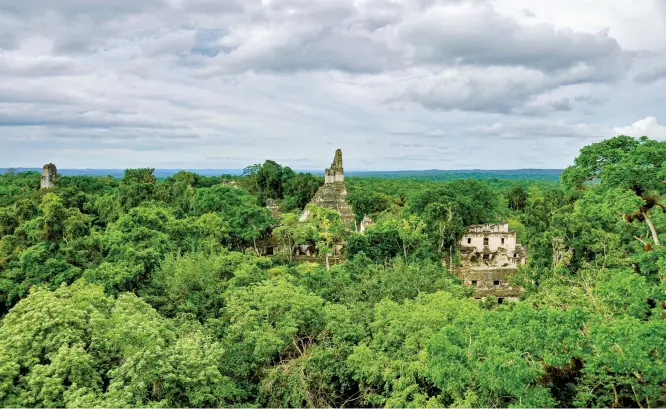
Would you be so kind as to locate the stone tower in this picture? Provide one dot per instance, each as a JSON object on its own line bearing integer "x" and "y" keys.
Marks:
{"x": 49, "y": 176}
{"x": 332, "y": 194}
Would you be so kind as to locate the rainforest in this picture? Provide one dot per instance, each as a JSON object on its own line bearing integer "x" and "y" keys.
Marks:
{"x": 145, "y": 291}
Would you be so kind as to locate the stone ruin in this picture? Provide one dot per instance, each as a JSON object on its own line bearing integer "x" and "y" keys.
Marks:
{"x": 49, "y": 176}
{"x": 367, "y": 221}
{"x": 489, "y": 253}
{"x": 274, "y": 207}
{"x": 332, "y": 194}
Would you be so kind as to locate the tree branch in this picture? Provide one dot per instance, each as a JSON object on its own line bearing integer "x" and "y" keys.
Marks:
{"x": 655, "y": 237}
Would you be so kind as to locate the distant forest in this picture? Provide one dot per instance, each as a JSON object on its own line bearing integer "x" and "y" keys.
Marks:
{"x": 434, "y": 174}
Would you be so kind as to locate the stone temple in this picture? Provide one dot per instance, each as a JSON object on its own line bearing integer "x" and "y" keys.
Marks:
{"x": 489, "y": 253}
{"x": 333, "y": 193}
{"x": 49, "y": 176}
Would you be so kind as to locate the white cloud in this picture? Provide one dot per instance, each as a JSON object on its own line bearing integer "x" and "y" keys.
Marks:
{"x": 648, "y": 126}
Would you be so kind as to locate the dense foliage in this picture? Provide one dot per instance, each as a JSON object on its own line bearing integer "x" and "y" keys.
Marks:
{"x": 147, "y": 292}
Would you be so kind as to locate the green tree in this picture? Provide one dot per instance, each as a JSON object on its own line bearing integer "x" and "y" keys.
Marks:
{"x": 329, "y": 230}
{"x": 635, "y": 166}
{"x": 102, "y": 351}
{"x": 269, "y": 322}
{"x": 299, "y": 190}
{"x": 443, "y": 224}
{"x": 517, "y": 198}
{"x": 247, "y": 221}
{"x": 292, "y": 233}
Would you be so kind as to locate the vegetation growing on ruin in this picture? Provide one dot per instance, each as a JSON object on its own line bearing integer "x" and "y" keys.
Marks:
{"x": 144, "y": 292}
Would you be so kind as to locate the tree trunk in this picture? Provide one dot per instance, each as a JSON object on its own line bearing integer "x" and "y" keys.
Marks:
{"x": 655, "y": 237}
{"x": 451, "y": 259}
{"x": 256, "y": 250}
{"x": 291, "y": 250}
{"x": 441, "y": 241}
{"x": 328, "y": 266}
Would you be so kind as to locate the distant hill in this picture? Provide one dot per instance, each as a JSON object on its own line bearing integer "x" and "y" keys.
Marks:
{"x": 434, "y": 174}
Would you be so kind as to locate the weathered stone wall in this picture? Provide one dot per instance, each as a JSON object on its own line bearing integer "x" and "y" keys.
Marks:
{"x": 496, "y": 240}
{"x": 489, "y": 228}
{"x": 491, "y": 282}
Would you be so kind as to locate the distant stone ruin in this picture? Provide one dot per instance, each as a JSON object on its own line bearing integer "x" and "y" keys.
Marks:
{"x": 489, "y": 253}
{"x": 332, "y": 194}
{"x": 49, "y": 176}
{"x": 365, "y": 223}
{"x": 231, "y": 183}
{"x": 274, "y": 207}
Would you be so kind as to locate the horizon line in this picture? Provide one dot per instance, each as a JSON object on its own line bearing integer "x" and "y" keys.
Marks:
{"x": 299, "y": 170}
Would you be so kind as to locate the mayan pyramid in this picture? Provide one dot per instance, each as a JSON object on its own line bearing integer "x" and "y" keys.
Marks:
{"x": 332, "y": 194}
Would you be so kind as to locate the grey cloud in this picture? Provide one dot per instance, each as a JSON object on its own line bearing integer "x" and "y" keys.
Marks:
{"x": 324, "y": 12}
{"x": 651, "y": 75}
{"x": 491, "y": 90}
{"x": 339, "y": 35}
{"x": 475, "y": 35}
{"x": 100, "y": 9}
{"x": 207, "y": 42}
{"x": 213, "y": 6}
{"x": 172, "y": 43}
{"x": 565, "y": 104}
{"x": 17, "y": 66}
{"x": 298, "y": 47}
{"x": 22, "y": 95}
{"x": 432, "y": 133}
{"x": 13, "y": 118}
{"x": 7, "y": 41}
{"x": 540, "y": 129}
{"x": 499, "y": 89}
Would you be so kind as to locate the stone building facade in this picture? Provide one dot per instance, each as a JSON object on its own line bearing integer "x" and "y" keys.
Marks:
{"x": 489, "y": 254}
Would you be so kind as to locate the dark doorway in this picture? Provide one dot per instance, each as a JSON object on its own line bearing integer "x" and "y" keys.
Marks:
{"x": 269, "y": 251}
{"x": 485, "y": 241}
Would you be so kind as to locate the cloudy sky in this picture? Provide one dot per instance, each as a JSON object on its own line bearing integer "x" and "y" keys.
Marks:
{"x": 397, "y": 84}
